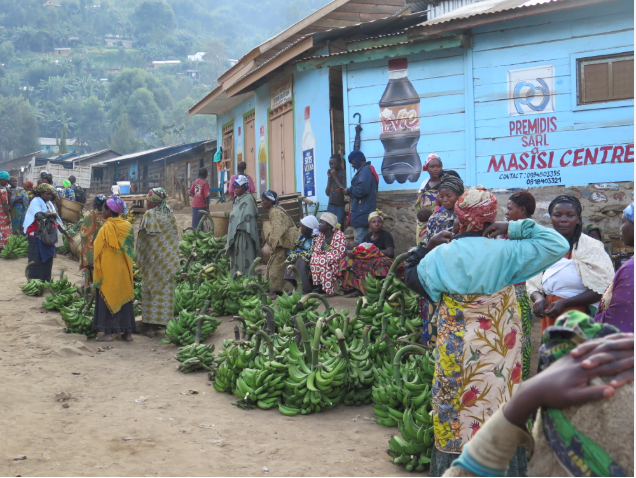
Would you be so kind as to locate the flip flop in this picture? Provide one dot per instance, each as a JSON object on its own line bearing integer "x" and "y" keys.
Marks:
{"x": 101, "y": 339}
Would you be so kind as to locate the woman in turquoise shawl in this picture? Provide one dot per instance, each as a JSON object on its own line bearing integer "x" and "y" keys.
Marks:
{"x": 242, "y": 236}
{"x": 19, "y": 204}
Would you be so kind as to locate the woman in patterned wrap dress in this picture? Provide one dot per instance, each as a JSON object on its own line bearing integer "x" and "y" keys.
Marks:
{"x": 478, "y": 353}
{"x": 158, "y": 259}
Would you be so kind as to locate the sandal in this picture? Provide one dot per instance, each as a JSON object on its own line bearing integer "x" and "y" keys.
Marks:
{"x": 102, "y": 339}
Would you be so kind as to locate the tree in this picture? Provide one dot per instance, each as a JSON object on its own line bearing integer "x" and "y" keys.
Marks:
{"x": 63, "y": 145}
{"x": 123, "y": 139}
{"x": 19, "y": 130}
{"x": 93, "y": 123}
{"x": 153, "y": 20}
{"x": 6, "y": 52}
{"x": 143, "y": 112}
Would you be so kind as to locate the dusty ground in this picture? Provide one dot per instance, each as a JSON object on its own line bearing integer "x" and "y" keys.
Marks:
{"x": 130, "y": 413}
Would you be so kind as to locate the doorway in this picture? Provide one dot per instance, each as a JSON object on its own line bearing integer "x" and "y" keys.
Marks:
{"x": 250, "y": 145}
{"x": 282, "y": 170}
{"x": 336, "y": 111}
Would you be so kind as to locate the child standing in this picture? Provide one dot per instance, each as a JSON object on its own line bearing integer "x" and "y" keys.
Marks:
{"x": 200, "y": 191}
{"x": 423, "y": 216}
{"x": 336, "y": 185}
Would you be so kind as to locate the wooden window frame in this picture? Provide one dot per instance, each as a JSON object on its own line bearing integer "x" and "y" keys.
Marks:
{"x": 579, "y": 59}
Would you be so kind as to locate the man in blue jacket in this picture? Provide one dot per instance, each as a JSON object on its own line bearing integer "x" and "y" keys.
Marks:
{"x": 363, "y": 193}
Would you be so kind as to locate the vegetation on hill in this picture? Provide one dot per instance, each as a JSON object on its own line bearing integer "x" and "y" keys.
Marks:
{"x": 109, "y": 95}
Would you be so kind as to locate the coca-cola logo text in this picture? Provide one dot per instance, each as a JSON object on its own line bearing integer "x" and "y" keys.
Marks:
{"x": 400, "y": 119}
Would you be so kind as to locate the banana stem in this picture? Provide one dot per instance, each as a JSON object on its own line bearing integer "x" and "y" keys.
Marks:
{"x": 259, "y": 288}
{"x": 307, "y": 325}
{"x": 242, "y": 320}
{"x": 269, "y": 320}
{"x": 210, "y": 220}
{"x": 299, "y": 279}
{"x": 321, "y": 298}
{"x": 316, "y": 345}
{"x": 365, "y": 335}
{"x": 218, "y": 254}
{"x": 268, "y": 340}
{"x": 202, "y": 312}
{"x": 399, "y": 296}
{"x": 389, "y": 277}
{"x": 304, "y": 337}
{"x": 61, "y": 274}
{"x": 390, "y": 346}
{"x": 257, "y": 347}
{"x": 416, "y": 349}
{"x": 237, "y": 334}
{"x": 316, "y": 206}
{"x": 359, "y": 305}
{"x": 342, "y": 343}
{"x": 253, "y": 267}
{"x": 26, "y": 270}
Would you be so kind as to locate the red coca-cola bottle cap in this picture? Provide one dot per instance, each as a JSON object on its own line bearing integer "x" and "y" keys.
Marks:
{"x": 262, "y": 130}
{"x": 306, "y": 112}
{"x": 398, "y": 64}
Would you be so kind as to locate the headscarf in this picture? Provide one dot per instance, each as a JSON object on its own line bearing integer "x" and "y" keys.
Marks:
{"x": 629, "y": 212}
{"x": 312, "y": 223}
{"x": 27, "y": 185}
{"x": 474, "y": 208}
{"x": 357, "y": 157}
{"x": 116, "y": 204}
{"x": 270, "y": 196}
{"x": 330, "y": 219}
{"x": 99, "y": 201}
{"x": 593, "y": 227}
{"x": 159, "y": 196}
{"x": 4, "y": 175}
{"x": 377, "y": 213}
{"x": 45, "y": 187}
{"x": 430, "y": 158}
{"x": 242, "y": 181}
{"x": 451, "y": 183}
{"x": 565, "y": 199}
{"x": 66, "y": 183}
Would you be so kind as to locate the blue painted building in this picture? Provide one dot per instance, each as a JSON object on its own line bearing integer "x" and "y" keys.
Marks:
{"x": 510, "y": 94}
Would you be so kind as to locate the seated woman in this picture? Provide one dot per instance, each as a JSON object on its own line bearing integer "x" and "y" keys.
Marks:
{"x": 329, "y": 250}
{"x": 374, "y": 256}
{"x": 577, "y": 281}
{"x": 300, "y": 253}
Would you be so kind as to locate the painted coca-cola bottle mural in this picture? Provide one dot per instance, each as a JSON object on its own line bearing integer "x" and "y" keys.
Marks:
{"x": 400, "y": 120}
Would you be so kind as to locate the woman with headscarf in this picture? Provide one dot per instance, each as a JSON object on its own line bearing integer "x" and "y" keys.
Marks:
{"x": 577, "y": 281}
{"x": 91, "y": 224}
{"x": 158, "y": 260}
{"x": 282, "y": 237}
{"x": 478, "y": 352}
{"x": 28, "y": 187}
{"x": 300, "y": 253}
{"x": 67, "y": 192}
{"x": 329, "y": 250}
{"x": 617, "y": 303}
{"x": 374, "y": 256}
{"x": 242, "y": 236}
{"x": 41, "y": 208}
{"x": 595, "y": 232}
{"x": 5, "y": 209}
{"x": 429, "y": 190}
{"x": 19, "y": 204}
{"x": 113, "y": 274}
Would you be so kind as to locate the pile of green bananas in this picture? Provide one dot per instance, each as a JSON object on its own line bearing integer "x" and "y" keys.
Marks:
{"x": 78, "y": 317}
{"x": 190, "y": 297}
{"x": 34, "y": 288}
{"x": 194, "y": 357}
{"x": 236, "y": 355}
{"x": 183, "y": 329}
{"x": 414, "y": 447}
{"x": 16, "y": 247}
{"x": 63, "y": 293}
{"x": 205, "y": 243}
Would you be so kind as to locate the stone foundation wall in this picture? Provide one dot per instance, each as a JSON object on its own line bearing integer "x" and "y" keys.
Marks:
{"x": 602, "y": 203}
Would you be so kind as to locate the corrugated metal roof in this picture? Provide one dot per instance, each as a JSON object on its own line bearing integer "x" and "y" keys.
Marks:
{"x": 484, "y": 7}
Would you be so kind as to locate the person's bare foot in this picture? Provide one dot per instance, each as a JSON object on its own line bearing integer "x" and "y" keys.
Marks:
{"x": 151, "y": 331}
{"x": 127, "y": 337}
{"x": 105, "y": 338}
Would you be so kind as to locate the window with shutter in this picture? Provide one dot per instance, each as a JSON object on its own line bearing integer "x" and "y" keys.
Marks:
{"x": 605, "y": 78}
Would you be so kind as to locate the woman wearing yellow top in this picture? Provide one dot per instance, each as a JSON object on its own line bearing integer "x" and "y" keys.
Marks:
{"x": 113, "y": 275}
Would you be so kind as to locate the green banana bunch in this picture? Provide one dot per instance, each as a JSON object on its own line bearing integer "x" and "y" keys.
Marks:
{"x": 63, "y": 293}
{"x": 238, "y": 356}
{"x": 182, "y": 330}
{"x": 33, "y": 288}
{"x": 194, "y": 357}
{"x": 78, "y": 317}
{"x": 16, "y": 247}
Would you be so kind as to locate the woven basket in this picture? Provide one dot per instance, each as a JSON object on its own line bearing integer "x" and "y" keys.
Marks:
{"x": 70, "y": 211}
{"x": 221, "y": 223}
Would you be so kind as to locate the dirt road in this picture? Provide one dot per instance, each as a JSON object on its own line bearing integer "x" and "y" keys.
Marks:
{"x": 131, "y": 413}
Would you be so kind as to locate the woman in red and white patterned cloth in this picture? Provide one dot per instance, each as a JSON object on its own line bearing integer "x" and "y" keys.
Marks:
{"x": 329, "y": 250}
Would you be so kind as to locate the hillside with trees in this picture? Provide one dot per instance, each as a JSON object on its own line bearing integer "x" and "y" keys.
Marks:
{"x": 103, "y": 91}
